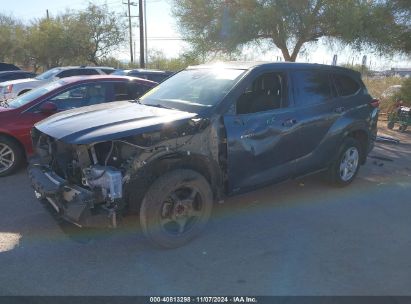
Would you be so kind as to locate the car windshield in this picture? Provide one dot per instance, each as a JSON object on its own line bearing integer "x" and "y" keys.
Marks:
{"x": 48, "y": 74}
{"x": 33, "y": 94}
{"x": 193, "y": 90}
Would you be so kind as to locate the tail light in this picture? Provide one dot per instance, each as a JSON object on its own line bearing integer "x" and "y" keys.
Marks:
{"x": 375, "y": 103}
{"x": 8, "y": 89}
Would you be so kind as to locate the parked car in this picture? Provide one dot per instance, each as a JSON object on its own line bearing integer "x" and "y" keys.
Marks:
{"x": 8, "y": 67}
{"x": 154, "y": 75}
{"x": 14, "y": 88}
{"x": 204, "y": 134}
{"x": 19, "y": 115}
{"x": 14, "y": 75}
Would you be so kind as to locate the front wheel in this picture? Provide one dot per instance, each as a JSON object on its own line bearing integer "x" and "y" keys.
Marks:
{"x": 390, "y": 125}
{"x": 176, "y": 208}
{"x": 11, "y": 156}
{"x": 345, "y": 167}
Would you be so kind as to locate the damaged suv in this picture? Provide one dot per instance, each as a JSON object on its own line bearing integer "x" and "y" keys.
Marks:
{"x": 208, "y": 132}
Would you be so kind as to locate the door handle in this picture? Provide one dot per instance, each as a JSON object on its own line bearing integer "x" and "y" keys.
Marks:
{"x": 289, "y": 122}
{"x": 339, "y": 109}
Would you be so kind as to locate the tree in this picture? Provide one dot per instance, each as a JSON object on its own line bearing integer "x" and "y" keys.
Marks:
{"x": 227, "y": 25}
{"x": 96, "y": 32}
{"x": 11, "y": 38}
{"x": 48, "y": 42}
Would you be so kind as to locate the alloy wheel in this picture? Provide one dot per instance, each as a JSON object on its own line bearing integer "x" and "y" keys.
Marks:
{"x": 6, "y": 157}
{"x": 349, "y": 164}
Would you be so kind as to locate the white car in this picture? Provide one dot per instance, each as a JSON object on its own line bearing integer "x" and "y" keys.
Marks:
{"x": 12, "y": 89}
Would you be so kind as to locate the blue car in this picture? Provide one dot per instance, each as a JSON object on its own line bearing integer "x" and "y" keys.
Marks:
{"x": 204, "y": 134}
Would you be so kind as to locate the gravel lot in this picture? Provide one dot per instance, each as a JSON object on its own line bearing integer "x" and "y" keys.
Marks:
{"x": 298, "y": 238}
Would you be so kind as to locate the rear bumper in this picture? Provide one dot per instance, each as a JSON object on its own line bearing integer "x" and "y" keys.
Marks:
{"x": 75, "y": 204}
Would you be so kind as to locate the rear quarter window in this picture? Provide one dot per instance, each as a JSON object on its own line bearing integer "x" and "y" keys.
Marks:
{"x": 345, "y": 85}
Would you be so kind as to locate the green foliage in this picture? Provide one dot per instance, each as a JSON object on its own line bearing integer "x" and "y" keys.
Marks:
{"x": 228, "y": 25}
{"x": 405, "y": 92}
{"x": 83, "y": 37}
{"x": 158, "y": 60}
{"x": 376, "y": 86}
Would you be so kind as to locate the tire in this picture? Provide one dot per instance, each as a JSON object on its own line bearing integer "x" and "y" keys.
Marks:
{"x": 390, "y": 125}
{"x": 402, "y": 128}
{"x": 350, "y": 153}
{"x": 176, "y": 208}
{"x": 11, "y": 156}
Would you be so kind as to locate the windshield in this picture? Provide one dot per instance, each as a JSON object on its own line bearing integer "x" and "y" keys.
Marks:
{"x": 193, "y": 90}
{"x": 33, "y": 94}
{"x": 48, "y": 74}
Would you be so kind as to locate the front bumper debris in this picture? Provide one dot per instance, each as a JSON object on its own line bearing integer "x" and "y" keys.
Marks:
{"x": 75, "y": 204}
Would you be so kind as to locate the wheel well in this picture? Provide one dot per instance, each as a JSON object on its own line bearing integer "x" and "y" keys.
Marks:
{"x": 16, "y": 141}
{"x": 362, "y": 137}
{"x": 140, "y": 183}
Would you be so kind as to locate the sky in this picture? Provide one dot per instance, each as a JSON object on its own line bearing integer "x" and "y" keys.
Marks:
{"x": 163, "y": 34}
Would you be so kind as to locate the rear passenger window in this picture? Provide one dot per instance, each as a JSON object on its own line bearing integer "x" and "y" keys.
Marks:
{"x": 345, "y": 85}
{"x": 311, "y": 87}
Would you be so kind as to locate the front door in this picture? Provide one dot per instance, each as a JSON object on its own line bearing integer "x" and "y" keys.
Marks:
{"x": 262, "y": 136}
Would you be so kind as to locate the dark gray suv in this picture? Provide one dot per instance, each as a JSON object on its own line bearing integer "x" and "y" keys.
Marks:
{"x": 206, "y": 133}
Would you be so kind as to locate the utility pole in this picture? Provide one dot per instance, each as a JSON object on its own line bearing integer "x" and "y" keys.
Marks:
{"x": 130, "y": 32}
{"x": 145, "y": 29}
{"x": 47, "y": 14}
{"x": 141, "y": 24}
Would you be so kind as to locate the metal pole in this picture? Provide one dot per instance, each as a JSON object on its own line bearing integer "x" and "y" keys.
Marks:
{"x": 145, "y": 29}
{"x": 141, "y": 23}
{"x": 130, "y": 32}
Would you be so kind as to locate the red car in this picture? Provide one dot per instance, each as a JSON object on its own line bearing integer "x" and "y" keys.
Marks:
{"x": 18, "y": 116}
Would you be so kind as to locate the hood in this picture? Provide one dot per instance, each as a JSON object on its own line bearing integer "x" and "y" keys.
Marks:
{"x": 108, "y": 121}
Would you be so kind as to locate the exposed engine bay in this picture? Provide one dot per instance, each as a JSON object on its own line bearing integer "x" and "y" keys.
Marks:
{"x": 101, "y": 175}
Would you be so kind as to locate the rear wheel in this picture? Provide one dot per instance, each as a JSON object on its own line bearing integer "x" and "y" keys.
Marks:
{"x": 176, "y": 208}
{"x": 11, "y": 156}
{"x": 345, "y": 167}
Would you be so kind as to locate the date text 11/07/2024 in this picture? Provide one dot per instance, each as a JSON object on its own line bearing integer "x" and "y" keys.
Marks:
{"x": 237, "y": 299}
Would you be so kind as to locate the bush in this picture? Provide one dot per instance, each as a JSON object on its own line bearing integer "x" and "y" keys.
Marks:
{"x": 405, "y": 92}
{"x": 377, "y": 86}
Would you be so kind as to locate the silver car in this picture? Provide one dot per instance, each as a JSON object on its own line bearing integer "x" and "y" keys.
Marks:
{"x": 12, "y": 89}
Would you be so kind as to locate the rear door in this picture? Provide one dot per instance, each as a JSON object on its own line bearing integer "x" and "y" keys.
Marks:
{"x": 316, "y": 112}
{"x": 262, "y": 137}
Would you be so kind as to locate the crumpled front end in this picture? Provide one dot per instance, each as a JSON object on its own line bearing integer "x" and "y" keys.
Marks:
{"x": 70, "y": 178}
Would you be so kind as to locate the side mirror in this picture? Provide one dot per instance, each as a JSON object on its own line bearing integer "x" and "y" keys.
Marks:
{"x": 48, "y": 107}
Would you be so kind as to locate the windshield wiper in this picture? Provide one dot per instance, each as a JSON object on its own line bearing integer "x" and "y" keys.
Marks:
{"x": 4, "y": 104}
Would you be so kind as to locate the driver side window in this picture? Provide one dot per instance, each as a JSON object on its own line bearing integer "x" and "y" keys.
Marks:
{"x": 80, "y": 96}
{"x": 267, "y": 92}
